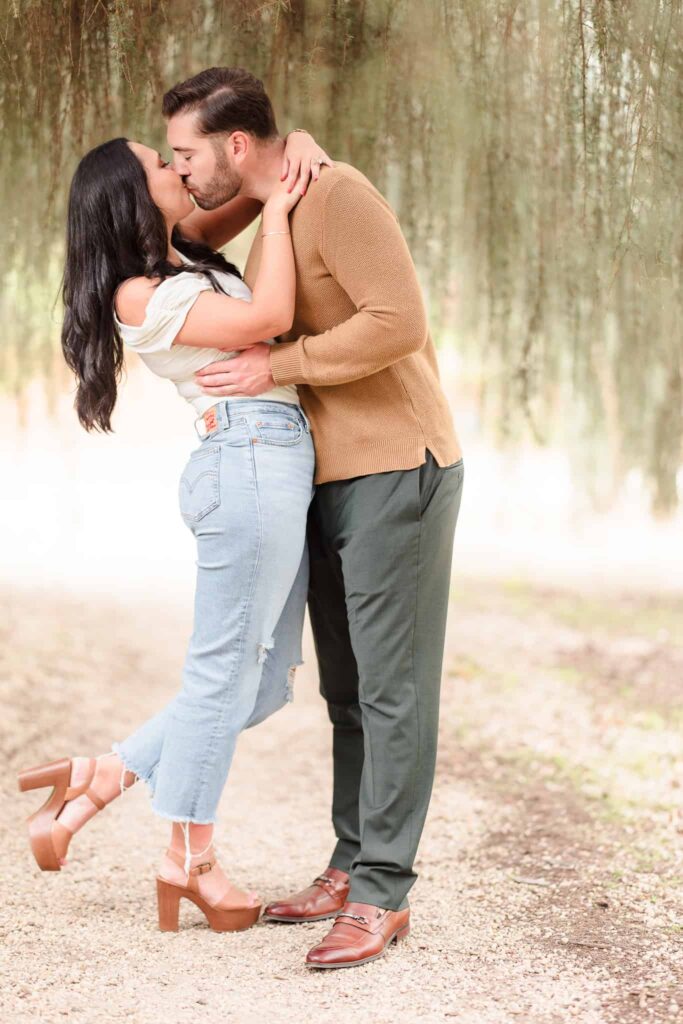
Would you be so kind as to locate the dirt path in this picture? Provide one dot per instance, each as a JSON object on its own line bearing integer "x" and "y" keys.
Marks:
{"x": 550, "y": 868}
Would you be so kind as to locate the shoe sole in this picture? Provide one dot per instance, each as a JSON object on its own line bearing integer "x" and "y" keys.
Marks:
{"x": 402, "y": 933}
{"x": 297, "y": 920}
{"x": 234, "y": 919}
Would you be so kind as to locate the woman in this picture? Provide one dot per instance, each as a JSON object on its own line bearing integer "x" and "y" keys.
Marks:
{"x": 135, "y": 276}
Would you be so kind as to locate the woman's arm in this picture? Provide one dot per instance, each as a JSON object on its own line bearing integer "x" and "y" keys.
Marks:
{"x": 218, "y": 227}
{"x": 219, "y": 321}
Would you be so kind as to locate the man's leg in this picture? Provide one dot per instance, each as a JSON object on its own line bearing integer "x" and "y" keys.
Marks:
{"x": 338, "y": 684}
{"x": 394, "y": 536}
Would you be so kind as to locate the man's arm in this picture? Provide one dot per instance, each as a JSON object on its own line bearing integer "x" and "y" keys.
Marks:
{"x": 366, "y": 253}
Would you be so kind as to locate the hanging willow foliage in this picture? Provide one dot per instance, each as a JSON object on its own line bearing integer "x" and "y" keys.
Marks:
{"x": 532, "y": 151}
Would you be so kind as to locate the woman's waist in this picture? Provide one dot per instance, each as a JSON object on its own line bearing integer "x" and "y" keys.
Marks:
{"x": 200, "y": 401}
{"x": 252, "y": 412}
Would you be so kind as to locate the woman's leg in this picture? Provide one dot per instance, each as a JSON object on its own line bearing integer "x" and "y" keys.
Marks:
{"x": 250, "y": 600}
{"x": 276, "y": 687}
{"x": 275, "y": 690}
{"x": 277, "y": 678}
{"x": 249, "y": 609}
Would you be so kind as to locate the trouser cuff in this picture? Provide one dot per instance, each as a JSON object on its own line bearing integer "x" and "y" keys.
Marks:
{"x": 343, "y": 855}
{"x": 375, "y": 897}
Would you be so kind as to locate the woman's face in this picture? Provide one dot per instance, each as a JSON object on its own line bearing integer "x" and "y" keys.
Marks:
{"x": 165, "y": 185}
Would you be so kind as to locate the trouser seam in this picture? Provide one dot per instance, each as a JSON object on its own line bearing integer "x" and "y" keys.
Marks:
{"x": 411, "y": 815}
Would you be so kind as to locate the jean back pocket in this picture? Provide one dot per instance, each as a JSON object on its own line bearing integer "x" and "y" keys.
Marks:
{"x": 199, "y": 486}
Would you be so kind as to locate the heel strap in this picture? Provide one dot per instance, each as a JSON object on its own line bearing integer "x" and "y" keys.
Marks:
{"x": 75, "y": 791}
{"x": 199, "y": 869}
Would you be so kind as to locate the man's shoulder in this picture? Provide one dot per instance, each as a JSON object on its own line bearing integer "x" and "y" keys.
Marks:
{"x": 342, "y": 195}
{"x": 344, "y": 171}
{"x": 343, "y": 179}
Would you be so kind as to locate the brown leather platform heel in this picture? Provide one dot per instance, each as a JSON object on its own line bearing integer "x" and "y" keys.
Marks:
{"x": 221, "y": 919}
{"x": 50, "y": 839}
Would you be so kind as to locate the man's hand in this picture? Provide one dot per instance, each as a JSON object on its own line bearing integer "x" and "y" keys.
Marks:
{"x": 248, "y": 374}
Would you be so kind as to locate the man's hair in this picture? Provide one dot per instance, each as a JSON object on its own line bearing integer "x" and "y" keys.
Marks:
{"x": 226, "y": 100}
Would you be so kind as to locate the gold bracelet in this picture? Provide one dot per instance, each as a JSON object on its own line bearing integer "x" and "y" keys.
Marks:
{"x": 264, "y": 233}
{"x": 299, "y": 130}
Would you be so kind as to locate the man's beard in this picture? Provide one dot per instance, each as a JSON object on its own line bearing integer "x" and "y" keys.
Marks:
{"x": 224, "y": 185}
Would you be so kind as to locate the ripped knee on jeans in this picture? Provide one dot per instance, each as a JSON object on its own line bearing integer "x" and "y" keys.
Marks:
{"x": 262, "y": 650}
{"x": 290, "y": 681}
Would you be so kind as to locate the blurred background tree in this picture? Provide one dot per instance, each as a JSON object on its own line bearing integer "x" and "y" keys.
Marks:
{"x": 532, "y": 152}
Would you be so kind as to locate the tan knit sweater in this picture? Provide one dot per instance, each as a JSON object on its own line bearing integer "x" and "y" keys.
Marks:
{"x": 363, "y": 358}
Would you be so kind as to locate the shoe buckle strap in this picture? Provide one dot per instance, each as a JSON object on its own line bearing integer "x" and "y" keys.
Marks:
{"x": 355, "y": 917}
{"x": 197, "y": 869}
{"x": 328, "y": 884}
{"x": 201, "y": 869}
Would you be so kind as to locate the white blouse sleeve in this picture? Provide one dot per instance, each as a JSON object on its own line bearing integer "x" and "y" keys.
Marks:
{"x": 166, "y": 313}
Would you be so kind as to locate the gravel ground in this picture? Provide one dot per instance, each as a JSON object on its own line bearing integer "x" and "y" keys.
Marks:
{"x": 550, "y": 867}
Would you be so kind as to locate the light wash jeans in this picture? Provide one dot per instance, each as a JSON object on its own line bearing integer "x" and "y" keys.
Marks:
{"x": 244, "y": 493}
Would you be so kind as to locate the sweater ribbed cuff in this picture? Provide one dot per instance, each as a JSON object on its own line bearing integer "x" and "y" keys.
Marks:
{"x": 285, "y": 363}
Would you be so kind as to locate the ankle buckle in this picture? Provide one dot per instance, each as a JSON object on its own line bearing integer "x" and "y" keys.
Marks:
{"x": 201, "y": 869}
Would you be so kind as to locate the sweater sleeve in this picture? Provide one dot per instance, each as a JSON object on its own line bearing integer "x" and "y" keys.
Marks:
{"x": 365, "y": 252}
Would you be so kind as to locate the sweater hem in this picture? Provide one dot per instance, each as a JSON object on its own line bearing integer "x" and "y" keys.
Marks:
{"x": 366, "y": 458}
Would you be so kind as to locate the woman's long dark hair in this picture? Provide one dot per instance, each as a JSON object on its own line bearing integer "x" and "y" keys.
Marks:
{"x": 114, "y": 231}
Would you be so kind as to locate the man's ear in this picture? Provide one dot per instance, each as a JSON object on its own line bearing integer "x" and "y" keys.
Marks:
{"x": 238, "y": 144}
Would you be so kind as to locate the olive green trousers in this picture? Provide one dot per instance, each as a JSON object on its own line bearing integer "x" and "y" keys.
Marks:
{"x": 380, "y": 550}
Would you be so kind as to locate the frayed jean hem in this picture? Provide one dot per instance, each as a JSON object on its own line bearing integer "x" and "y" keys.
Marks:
{"x": 116, "y": 748}
{"x": 180, "y": 819}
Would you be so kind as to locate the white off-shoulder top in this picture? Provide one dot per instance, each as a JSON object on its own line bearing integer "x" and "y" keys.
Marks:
{"x": 165, "y": 315}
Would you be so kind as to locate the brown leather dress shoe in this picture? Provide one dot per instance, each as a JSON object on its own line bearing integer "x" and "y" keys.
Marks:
{"x": 317, "y": 902}
{"x": 359, "y": 934}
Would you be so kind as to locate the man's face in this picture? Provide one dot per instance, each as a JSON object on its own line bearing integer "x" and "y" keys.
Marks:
{"x": 209, "y": 165}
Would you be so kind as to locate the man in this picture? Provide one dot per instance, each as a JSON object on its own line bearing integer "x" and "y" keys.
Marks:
{"x": 389, "y": 479}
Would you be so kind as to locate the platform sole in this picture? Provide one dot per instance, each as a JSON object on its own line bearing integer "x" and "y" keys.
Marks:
{"x": 168, "y": 900}
{"x": 54, "y": 775}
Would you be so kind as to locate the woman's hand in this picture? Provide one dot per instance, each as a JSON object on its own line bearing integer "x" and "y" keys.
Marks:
{"x": 280, "y": 201}
{"x": 302, "y": 160}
